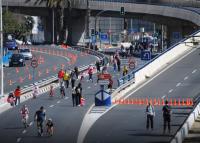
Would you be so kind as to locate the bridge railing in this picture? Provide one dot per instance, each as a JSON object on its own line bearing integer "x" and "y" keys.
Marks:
{"x": 125, "y": 79}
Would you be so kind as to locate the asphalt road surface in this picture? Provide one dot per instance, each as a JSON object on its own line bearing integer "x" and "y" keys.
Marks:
{"x": 127, "y": 123}
{"x": 67, "y": 119}
{"x": 49, "y": 64}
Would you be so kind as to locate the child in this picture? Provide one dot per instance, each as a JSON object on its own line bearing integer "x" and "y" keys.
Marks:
{"x": 51, "y": 93}
{"x": 11, "y": 99}
{"x": 49, "y": 126}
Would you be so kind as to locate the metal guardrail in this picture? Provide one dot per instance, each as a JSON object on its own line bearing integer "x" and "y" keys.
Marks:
{"x": 131, "y": 75}
{"x": 54, "y": 78}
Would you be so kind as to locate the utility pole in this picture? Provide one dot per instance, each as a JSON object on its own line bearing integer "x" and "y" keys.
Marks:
{"x": 1, "y": 37}
{"x": 53, "y": 24}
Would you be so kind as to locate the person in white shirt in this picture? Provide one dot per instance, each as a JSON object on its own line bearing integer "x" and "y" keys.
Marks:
{"x": 150, "y": 115}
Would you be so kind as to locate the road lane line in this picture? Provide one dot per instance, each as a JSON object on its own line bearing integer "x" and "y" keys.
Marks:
{"x": 170, "y": 90}
{"x": 186, "y": 78}
{"x": 51, "y": 106}
{"x": 24, "y": 131}
{"x": 58, "y": 101}
{"x": 194, "y": 71}
{"x": 19, "y": 139}
{"x": 178, "y": 84}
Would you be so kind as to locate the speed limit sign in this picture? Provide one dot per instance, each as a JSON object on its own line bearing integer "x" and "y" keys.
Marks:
{"x": 132, "y": 63}
{"x": 34, "y": 63}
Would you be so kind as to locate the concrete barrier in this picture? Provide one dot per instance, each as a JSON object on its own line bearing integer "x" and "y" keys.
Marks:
{"x": 184, "y": 129}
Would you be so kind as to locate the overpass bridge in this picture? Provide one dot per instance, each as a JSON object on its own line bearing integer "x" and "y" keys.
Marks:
{"x": 177, "y": 15}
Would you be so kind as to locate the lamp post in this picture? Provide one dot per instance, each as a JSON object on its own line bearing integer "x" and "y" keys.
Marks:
{"x": 1, "y": 47}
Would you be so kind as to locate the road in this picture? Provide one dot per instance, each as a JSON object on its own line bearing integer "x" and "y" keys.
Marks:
{"x": 49, "y": 65}
{"x": 67, "y": 119}
{"x": 127, "y": 123}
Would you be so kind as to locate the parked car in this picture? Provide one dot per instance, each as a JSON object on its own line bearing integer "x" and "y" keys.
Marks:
{"x": 17, "y": 60}
{"x": 26, "y": 53}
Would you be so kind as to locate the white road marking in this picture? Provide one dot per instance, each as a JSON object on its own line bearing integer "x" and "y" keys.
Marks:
{"x": 178, "y": 84}
{"x": 194, "y": 71}
{"x": 24, "y": 131}
{"x": 89, "y": 87}
{"x": 58, "y": 101}
{"x": 51, "y": 106}
{"x": 66, "y": 98}
{"x": 163, "y": 97}
{"x": 186, "y": 78}
{"x": 170, "y": 90}
{"x": 19, "y": 139}
{"x": 31, "y": 123}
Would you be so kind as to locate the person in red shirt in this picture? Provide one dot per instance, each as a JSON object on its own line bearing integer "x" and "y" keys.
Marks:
{"x": 17, "y": 94}
{"x": 90, "y": 72}
{"x": 61, "y": 75}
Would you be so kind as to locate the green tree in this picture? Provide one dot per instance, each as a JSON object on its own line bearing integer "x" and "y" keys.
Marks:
{"x": 59, "y": 6}
{"x": 10, "y": 24}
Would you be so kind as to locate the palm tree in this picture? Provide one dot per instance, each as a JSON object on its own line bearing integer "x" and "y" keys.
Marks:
{"x": 59, "y": 6}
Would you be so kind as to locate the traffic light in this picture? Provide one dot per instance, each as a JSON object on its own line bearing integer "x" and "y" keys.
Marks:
{"x": 122, "y": 12}
{"x": 92, "y": 32}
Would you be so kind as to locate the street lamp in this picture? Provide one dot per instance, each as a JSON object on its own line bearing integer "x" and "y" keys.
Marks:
{"x": 1, "y": 47}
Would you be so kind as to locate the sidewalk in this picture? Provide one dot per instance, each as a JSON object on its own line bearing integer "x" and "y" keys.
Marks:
{"x": 194, "y": 132}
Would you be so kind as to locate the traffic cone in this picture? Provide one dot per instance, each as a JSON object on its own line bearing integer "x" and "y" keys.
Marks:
{"x": 183, "y": 102}
{"x": 175, "y": 104}
{"x": 143, "y": 101}
{"x": 159, "y": 102}
{"x": 29, "y": 76}
{"x": 163, "y": 102}
{"x": 47, "y": 71}
{"x": 170, "y": 102}
{"x": 179, "y": 102}
{"x": 39, "y": 73}
{"x": 17, "y": 70}
{"x": 154, "y": 102}
{"x": 21, "y": 79}
{"x": 147, "y": 101}
{"x": 151, "y": 101}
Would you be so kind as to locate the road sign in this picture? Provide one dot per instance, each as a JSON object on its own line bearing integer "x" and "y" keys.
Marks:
{"x": 104, "y": 76}
{"x": 146, "y": 55}
{"x": 102, "y": 98}
{"x": 132, "y": 63}
{"x": 34, "y": 63}
{"x": 103, "y": 82}
{"x": 104, "y": 36}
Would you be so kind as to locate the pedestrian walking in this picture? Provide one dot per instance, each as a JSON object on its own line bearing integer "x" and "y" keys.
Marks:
{"x": 35, "y": 91}
{"x": 66, "y": 79}
{"x": 17, "y": 94}
{"x": 51, "y": 93}
{"x": 110, "y": 85}
{"x": 114, "y": 64}
{"x": 79, "y": 93}
{"x": 74, "y": 97}
{"x": 73, "y": 80}
{"x": 166, "y": 116}
{"x": 90, "y": 72}
{"x": 125, "y": 70}
{"x": 150, "y": 112}
{"x": 118, "y": 64}
{"x": 76, "y": 71}
{"x": 62, "y": 90}
{"x": 11, "y": 99}
{"x": 98, "y": 67}
{"x": 60, "y": 76}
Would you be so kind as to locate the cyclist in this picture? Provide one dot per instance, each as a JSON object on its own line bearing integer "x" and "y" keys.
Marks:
{"x": 25, "y": 115}
{"x": 49, "y": 126}
{"x": 40, "y": 117}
